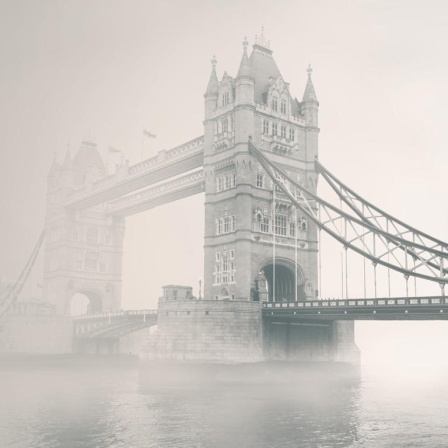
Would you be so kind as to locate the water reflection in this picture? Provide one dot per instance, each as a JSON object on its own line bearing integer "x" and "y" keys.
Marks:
{"x": 66, "y": 408}
{"x": 74, "y": 407}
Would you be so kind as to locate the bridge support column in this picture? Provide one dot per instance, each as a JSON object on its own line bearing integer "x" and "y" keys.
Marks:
{"x": 344, "y": 346}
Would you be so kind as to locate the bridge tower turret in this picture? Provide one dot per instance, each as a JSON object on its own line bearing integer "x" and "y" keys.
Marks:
{"x": 252, "y": 233}
{"x": 310, "y": 110}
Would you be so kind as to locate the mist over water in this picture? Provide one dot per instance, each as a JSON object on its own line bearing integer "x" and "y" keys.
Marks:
{"x": 83, "y": 405}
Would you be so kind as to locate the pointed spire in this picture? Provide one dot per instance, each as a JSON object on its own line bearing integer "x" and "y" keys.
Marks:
{"x": 54, "y": 165}
{"x": 244, "y": 70}
{"x": 67, "y": 164}
{"x": 213, "y": 84}
{"x": 309, "y": 93}
{"x": 261, "y": 40}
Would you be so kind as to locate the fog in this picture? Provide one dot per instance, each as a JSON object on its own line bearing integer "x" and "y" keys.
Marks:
{"x": 106, "y": 70}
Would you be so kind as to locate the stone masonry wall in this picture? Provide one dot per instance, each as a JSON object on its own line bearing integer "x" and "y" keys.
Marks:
{"x": 206, "y": 331}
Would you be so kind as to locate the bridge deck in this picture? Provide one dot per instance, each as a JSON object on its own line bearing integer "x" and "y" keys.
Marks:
{"x": 403, "y": 308}
{"x": 114, "y": 324}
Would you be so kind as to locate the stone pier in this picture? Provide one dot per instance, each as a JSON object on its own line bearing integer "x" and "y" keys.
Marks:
{"x": 206, "y": 331}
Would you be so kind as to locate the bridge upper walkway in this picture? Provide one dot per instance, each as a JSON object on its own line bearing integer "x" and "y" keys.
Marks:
{"x": 164, "y": 165}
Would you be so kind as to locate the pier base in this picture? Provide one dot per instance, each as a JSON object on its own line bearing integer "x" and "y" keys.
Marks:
{"x": 206, "y": 331}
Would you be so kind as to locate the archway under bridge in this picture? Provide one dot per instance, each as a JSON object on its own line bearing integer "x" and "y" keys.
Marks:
{"x": 289, "y": 281}
{"x": 85, "y": 302}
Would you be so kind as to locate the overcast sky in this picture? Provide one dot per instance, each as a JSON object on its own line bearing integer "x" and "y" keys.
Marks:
{"x": 107, "y": 69}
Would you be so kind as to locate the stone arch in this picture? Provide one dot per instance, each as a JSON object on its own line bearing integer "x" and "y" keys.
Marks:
{"x": 224, "y": 294}
{"x": 284, "y": 280}
{"x": 84, "y": 302}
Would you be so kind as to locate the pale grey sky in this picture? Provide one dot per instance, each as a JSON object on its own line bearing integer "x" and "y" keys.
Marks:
{"x": 108, "y": 69}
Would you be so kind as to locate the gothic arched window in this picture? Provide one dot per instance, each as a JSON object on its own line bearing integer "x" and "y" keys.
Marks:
{"x": 225, "y": 98}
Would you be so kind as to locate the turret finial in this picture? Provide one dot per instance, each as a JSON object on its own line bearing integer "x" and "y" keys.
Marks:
{"x": 309, "y": 70}
{"x": 213, "y": 84}
{"x": 261, "y": 40}
{"x": 245, "y": 43}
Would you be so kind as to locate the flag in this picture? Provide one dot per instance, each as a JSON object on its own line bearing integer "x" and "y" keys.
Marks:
{"x": 148, "y": 134}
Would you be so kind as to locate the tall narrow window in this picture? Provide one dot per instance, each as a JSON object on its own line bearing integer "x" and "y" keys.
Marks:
{"x": 291, "y": 134}
{"x": 102, "y": 264}
{"x": 91, "y": 261}
{"x": 265, "y": 224}
{"x": 274, "y": 104}
{"x": 225, "y": 98}
{"x": 77, "y": 263}
{"x": 260, "y": 180}
{"x": 226, "y": 182}
{"x": 283, "y": 107}
{"x": 274, "y": 128}
{"x": 265, "y": 127}
{"x": 92, "y": 235}
{"x": 292, "y": 229}
{"x": 225, "y": 125}
{"x": 283, "y": 131}
{"x": 226, "y": 224}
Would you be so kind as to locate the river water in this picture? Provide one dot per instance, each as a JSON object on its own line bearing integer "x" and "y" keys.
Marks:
{"x": 95, "y": 408}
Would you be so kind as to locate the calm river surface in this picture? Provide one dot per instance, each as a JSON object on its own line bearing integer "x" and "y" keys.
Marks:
{"x": 73, "y": 407}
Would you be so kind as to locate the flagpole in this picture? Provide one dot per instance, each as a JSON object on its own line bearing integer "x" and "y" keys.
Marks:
{"x": 149, "y": 135}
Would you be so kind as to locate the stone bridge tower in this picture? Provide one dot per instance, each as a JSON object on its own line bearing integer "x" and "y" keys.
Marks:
{"x": 257, "y": 246}
{"x": 83, "y": 250}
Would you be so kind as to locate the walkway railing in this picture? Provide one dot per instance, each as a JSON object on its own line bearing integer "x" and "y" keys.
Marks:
{"x": 357, "y": 303}
{"x": 116, "y": 314}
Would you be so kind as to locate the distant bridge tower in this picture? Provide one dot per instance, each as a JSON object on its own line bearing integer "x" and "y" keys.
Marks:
{"x": 83, "y": 251}
{"x": 251, "y": 230}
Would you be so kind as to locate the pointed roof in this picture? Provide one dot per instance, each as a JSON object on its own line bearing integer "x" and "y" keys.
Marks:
{"x": 67, "y": 164}
{"x": 54, "y": 167}
{"x": 265, "y": 72}
{"x": 213, "y": 84}
{"x": 309, "y": 93}
{"x": 262, "y": 67}
{"x": 244, "y": 70}
{"x": 87, "y": 159}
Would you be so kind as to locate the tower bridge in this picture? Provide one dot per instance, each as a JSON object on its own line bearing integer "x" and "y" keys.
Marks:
{"x": 258, "y": 165}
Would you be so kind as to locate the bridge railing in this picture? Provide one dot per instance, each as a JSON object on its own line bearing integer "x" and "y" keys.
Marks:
{"x": 116, "y": 314}
{"x": 399, "y": 301}
{"x": 181, "y": 182}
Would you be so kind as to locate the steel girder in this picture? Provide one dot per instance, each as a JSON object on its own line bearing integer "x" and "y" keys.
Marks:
{"x": 11, "y": 296}
{"x": 422, "y": 256}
